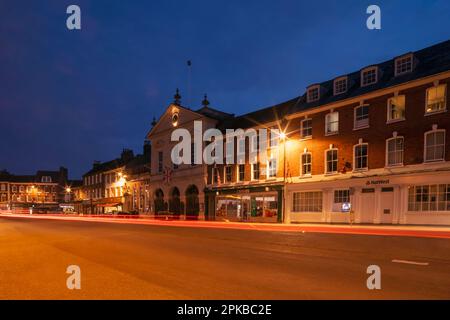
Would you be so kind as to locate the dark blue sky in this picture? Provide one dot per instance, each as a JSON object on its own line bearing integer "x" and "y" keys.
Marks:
{"x": 71, "y": 97}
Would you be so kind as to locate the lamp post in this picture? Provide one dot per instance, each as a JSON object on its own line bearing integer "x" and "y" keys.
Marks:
{"x": 283, "y": 139}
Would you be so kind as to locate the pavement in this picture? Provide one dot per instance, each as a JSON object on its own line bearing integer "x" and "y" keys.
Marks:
{"x": 154, "y": 261}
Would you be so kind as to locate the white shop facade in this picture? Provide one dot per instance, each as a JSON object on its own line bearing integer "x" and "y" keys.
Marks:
{"x": 385, "y": 196}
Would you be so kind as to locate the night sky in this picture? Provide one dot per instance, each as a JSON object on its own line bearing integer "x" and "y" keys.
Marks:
{"x": 71, "y": 97}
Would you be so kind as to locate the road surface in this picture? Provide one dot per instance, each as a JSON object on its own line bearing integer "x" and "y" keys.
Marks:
{"x": 123, "y": 261}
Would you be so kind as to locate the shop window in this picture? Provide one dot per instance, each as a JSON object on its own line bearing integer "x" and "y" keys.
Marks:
{"x": 396, "y": 109}
{"x": 425, "y": 198}
{"x": 341, "y": 196}
{"x": 307, "y": 201}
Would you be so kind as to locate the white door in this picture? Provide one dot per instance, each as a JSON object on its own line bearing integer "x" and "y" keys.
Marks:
{"x": 387, "y": 205}
{"x": 367, "y": 211}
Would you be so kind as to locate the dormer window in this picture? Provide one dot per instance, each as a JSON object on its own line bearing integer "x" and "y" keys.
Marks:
{"x": 369, "y": 76}
{"x": 340, "y": 85}
{"x": 46, "y": 179}
{"x": 313, "y": 93}
{"x": 403, "y": 64}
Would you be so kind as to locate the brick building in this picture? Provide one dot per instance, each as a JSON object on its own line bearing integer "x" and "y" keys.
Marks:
{"x": 43, "y": 191}
{"x": 370, "y": 146}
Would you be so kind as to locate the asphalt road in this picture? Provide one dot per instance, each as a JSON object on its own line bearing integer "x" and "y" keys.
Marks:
{"x": 121, "y": 261}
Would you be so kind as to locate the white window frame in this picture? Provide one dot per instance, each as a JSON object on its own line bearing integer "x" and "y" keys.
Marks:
{"x": 399, "y": 60}
{"x": 389, "y": 108}
{"x": 238, "y": 171}
{"x": 259, "y": 170}
{"x": 302, "y": 164}
{"x": 309, "y": 91}
{"x": 433, "y": 131}
{"x": 302, "y": 127}
{"x": 297, "y": 208}
{"x": 445, "y": 99}
{"x": 268, "y": 169}
{"x": 326, "y": 161}
{"x": 363, "y": 123}
{"x": 360, "y": 143}
{"x": 336, "y": 81}
{"x": 327, "y": 116}
{"x": 388, "y": 165}
{"x": 366, "y": 70}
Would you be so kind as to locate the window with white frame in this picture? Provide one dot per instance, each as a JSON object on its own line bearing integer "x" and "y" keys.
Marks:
{"x": 274, "y": 137}
{"x": 332, "y": 123}
{"x": 331, "y": 159}
{"x": 341, "y": 196}
{"x": 241, "y": 172}
{"x": 434, "y": 145}
{"x": 361, "y": 115}
{"x": 228, "y": 174}
{"x": 369, "y": 76}
{"x": 396, "y": 108}
{"x": 306, "y": 129}
{"x": 394, "y": 151}
{"x": 340, "y": 85}
{"x": 309, "y": 201}
{"x": 313, "y": 94}
{"x": 403, "y": 65}
{"x": 272, "y": 167}
{"x": 255, "y": 171}
{"x": 436, "y": 99}
{"x": 361, "y": 156}
{"x": 435, "y": 197}
{"x": 306, "y": 164}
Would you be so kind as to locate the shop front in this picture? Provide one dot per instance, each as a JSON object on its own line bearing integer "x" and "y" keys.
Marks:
{"x": 249, "y": 203}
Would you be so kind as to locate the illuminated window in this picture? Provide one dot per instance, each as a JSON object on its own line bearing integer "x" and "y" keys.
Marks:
{"x": 361, "y": 115}
{"x": 403, "y": 65}
{"x": 340, "y": 85}
{"x": 332, "y": 123}
{"x": 436, "y": 99}
{"x": 396, "y": 108}
{"x": 369, "y": 76}
{"x": 434, "y": 145}
{"x": 394, "y": 151}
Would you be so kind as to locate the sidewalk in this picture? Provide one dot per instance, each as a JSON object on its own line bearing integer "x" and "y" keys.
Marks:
{"x": 376, "y": 230}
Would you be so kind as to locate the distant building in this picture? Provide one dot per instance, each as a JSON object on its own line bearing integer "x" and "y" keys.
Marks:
{"x": 43, "y": 191}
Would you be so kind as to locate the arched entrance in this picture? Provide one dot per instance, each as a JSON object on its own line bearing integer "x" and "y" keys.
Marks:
{"x": 159, "y": 201}
{"x": 174, "y": 202}
{"x": 192, "y": 202}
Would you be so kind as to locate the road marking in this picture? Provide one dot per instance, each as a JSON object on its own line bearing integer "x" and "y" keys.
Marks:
{"x": 411, "y": 262}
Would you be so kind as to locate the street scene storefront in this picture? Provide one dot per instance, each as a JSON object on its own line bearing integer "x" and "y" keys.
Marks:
{"x": 245, "y": 203}
{"x": 408, "y": 198}
{"x": 103, "y": 206}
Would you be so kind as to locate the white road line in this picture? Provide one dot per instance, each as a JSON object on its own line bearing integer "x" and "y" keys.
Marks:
{"x": 411, "y": 262}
